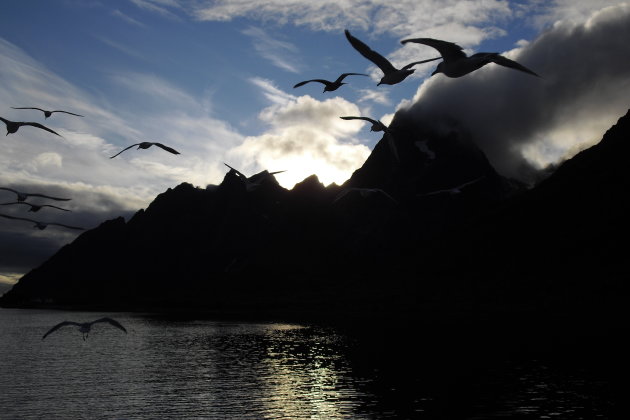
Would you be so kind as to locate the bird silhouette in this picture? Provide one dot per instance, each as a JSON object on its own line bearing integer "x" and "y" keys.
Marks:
{"x": 13, "y": 126}
{"x": 85, "y": 327}
{"x": 379, "y": 126}
{"x": 41, "y": 225}
{"x": 376, "y": 124}
{"x": 146, "y": 145}
{"x": 34, "y": 207}
{"x": 457, "y": 64}
{"x": 453, "y": 191}
{"x": 46, "y": 113}
{"x": 21, "y": 196}
{"x": 392, "y": 75}
{"x": 253, "y": 181}
{"x": 330, "y": 86}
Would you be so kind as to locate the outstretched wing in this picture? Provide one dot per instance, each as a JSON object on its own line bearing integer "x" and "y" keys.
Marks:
{"x": 38, "y": 125}
{"x": 18, "y": 218}
{"x": 370, "y": 54}
{"x": 28, "y": 107}
{"x": 506, "y": 62}
{"x": 240, "y": 175}
{"x": 61, "y": 324}
{"x": 410, "y": 65}
{"x": 168, "y": 149}
{"x": 111, "y": 322}
{"x": 360, "y": 118}
{"x": 126, "y": 148}
{"x": 52, "y": 198}
{"x": 326, "y": 82}
{"x": 9, "y": 189}
{"x": 50, "y": 205}
{"x": 66, "y": 112}
{"x": 66, "y": 226}
{"x": 344, "y": 75}
{"x": 448, "y": 50}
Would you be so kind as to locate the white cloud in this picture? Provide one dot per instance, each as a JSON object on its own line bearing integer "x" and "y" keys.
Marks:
{"x": 126, "y": 18}
{"x": 305, "y": 137}
{"x": 522, "y": 121}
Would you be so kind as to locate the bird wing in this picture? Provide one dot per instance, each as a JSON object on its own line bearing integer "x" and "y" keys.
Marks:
{"x": 110, "y": 321}
{"x": 28, "y": 107}
{"x": 448, "y": 50}
{"x": 19, "y": 218}
{"x": 506, "y": 62}
{"x": 50, "y": 205}
{"x": 361, "y": 118}
{"x": 126, "y": 148}
{"x": 168, "y": 149}
{"x": 370, "y": 54}
{"x": 410, "y": 65}
{"x": 52, "y": 198}
{"x": 344, "y": 75}
{"x": 61, "y": 324}
{"x": 38, "y": 125}
{"x": 15, "y": 202}
{"x": 240, "y": 175}
{"x": 9, "y": 189}
{"x": 326, "y": 82}
{"x": 66, "y": 112}
{"x": 66, "y": 226}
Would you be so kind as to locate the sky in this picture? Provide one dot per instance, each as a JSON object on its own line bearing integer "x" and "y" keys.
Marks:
{"x": 214, "y": 80}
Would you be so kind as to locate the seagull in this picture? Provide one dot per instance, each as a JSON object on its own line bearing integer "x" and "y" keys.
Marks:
{"x": 457, "y": 64}
{"x": 455, "y": 190}
{"x": 254, "y": 181}
{"x": 85, "y": 327}
{"x": 330, "y": 86}
{"x": 392, "y": 75}
{"x": 146, "y": 145}
{"x": 41, "y": 225}
{"x": 34, "y": 207}
{"x": 47, "y": 113}
{"x": 21, "y": 196}
{"x": 13, "y": 126}
{"x": 377, "y": 125}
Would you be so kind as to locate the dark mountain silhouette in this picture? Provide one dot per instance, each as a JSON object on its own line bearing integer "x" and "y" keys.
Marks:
{"x": 391, "y": 240}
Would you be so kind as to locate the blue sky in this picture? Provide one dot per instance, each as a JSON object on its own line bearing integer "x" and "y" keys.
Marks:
{"x": 214, "y": 79}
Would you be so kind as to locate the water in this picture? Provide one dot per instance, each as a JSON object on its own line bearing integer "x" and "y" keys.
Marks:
{"x": 204, "y": 369}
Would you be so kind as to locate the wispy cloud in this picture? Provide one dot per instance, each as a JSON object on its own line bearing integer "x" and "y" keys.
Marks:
{"x": 126, "y": 18}
{"x": 159, "y": 6}
{"x": 120, "y": 47}
{"x": 281, "y": 54}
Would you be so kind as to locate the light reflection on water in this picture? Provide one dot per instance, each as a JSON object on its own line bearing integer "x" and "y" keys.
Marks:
{"x": 199, "y": 369}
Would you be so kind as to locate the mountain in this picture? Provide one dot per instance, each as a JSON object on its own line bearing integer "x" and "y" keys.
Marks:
{"x": 397, "y": 237}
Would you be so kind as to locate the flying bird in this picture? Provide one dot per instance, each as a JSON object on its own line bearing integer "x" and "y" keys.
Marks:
{"x": 392, "y": 75}
{"x": 13, "y": 126}
{"x": 457, "y": 64}
{"x": 146, "y": 145}
{"x": 21, "y": 196}
{"x": 46, "y": 113}
{"x": 379, "y": 126}
{"x": 455, "y": 190}
{"x": 34, "y": 207}
{"x": 85, "y": 327}
{"x": 376, "y": 124}
{"x": 41, "y": 225}
{"x": 253, "y": 181}
{"x": 330, "y": 86}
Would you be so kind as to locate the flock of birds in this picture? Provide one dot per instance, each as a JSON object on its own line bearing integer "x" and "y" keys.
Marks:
{"x": 455, "y": 63}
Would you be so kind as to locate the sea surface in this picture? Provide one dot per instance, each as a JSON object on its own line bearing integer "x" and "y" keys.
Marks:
{"x": 187, "y": 368}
